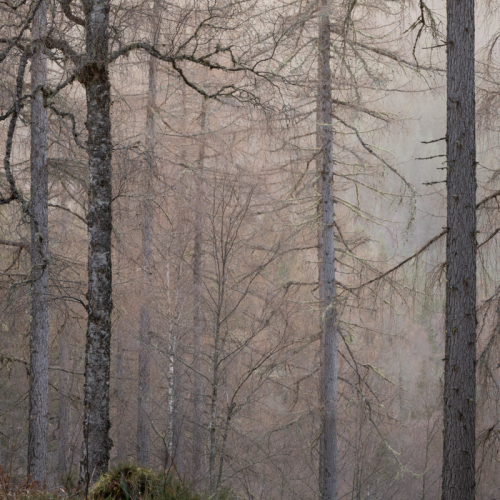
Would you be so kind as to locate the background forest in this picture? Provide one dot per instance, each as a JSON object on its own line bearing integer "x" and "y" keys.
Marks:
{"x": 184, "y": 138}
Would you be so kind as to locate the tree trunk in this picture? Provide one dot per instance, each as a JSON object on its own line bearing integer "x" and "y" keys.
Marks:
{"x": 143, "y": 424}
{"x": 121, "y": 434}
{"x": 329, "y": 491}
{"x": 460, "y": 350}
{"x": 39, "y": 338}
{"x": 319, "y": 168}
{"x": 198, "y": 316}
{"x": 96, "y": 441}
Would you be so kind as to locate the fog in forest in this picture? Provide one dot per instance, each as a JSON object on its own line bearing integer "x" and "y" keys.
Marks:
{"x": 223, "y": 247}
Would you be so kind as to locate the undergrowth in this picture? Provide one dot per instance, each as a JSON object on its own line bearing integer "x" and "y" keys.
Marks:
{"x": 125, "y": 482}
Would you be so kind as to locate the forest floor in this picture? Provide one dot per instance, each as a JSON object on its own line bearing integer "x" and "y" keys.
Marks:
{"x": 125, "y": 482}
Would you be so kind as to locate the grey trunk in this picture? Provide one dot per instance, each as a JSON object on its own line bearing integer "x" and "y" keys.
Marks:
{"x": 96, "y": 440}
{"x": 460, "y": 350}
{"x": 198, "y": 316}
{"x": 319, "y": 168}
{"x": 39, "y": 332}
{"x": 329, "y": 317}
{"x": 121, "y": 433}
{"x": 143, "y": 423}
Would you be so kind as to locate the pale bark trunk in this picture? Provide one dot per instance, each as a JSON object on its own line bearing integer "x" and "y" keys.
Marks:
{"x": 143, "y": 423}
{"x": 96, "y": 440}
{"x": 39, "y": 338}
{"x": 175, "y": 437}
{"x": 198, "y": 315}
{"x": 460, "y": 349}
{"x": 329, "y": 491}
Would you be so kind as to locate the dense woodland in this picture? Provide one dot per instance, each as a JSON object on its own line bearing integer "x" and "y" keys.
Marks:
{"x": 253, "y": 244}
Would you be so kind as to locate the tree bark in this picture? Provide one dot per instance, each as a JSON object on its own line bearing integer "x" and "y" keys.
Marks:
{"x": 39, "y": 332}
{"x": 461, "y": 247}
{"x": 121, "y": 434}
{"x": 329, "y": 317}
{"x": 96, "y": 440}
{"x": 198, "y": 315}
{"x": 143, "y": 424}
{"x": 319, "y": 168}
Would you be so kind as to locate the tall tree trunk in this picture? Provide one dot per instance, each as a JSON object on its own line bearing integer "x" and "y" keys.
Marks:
{"x": 39, "y": 333}
{"x": 121, "y": 434}
{"x": 460, "y": 350}
{"x": 143, "y": 423}
{"x": 198, "y": 315}
{"x": 319, "y": 168}
{"x": 96, "y": 440}
{"x": 329, "y": 473}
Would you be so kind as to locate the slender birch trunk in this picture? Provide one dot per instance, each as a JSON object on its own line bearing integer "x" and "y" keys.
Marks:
{"x": 198, "y": 315}
{"x": 95, "y": 77}
{"x": 143, "y": 401}
{"x": 329, "y": 469}
{"x": 461, "y": 248}
{"x": 39, "y": 332}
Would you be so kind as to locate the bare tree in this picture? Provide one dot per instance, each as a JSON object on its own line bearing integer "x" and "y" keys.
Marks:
{"x": 143, "y": 425}
{"x": 95, "y": 78}
{"x": 328, "y": 461}
{"x": 39, "y": 332}
{"x": 461, "y": 248}
{"x": 198, "y": 297}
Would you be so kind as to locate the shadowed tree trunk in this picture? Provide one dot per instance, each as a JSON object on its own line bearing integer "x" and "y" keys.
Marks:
{"x": 329, "y": 318}
{"x": 39, "y": 333}
{"x": 460, "y": 350}
{"x": 96, "y": 440}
